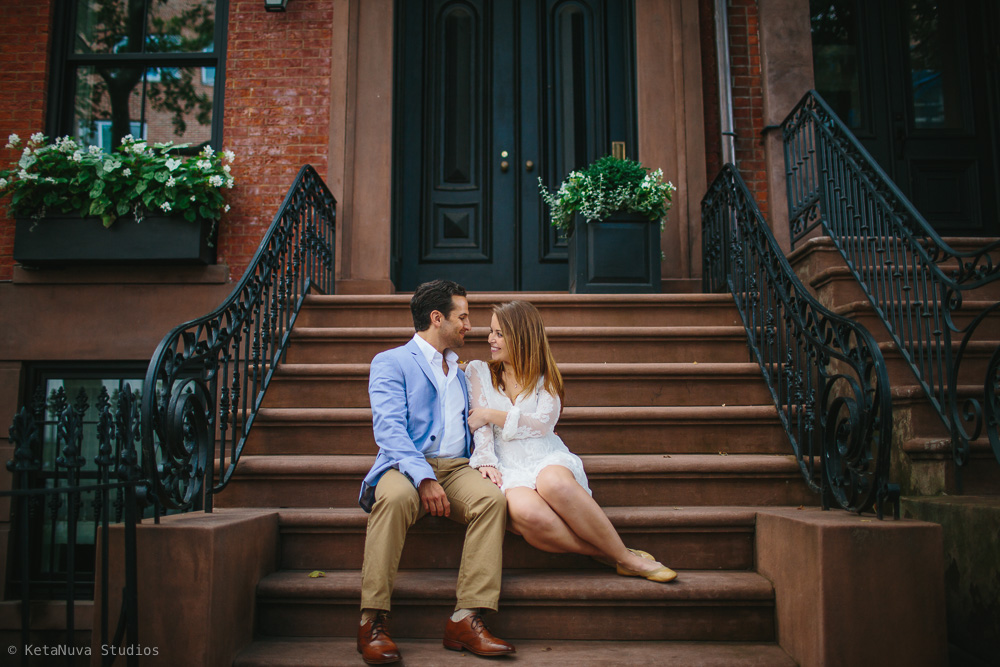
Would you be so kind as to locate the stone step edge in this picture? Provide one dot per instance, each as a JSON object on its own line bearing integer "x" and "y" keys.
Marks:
{"x": 654, "y": 519}
{"x": 597, "y": 414}
{"x": 331, "y": 651}
{"x": 571, "y": 370}
{"x": 939, "y": 449}
{"x": 403, "y": 334}
{"x": 597, "y": 465}
{"x": 575, "y": 588}
{"x": 864, "y": 306}
{"x": 537, "y": 298}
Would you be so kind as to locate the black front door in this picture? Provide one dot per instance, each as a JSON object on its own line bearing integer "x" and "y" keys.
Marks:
{"x": 915, "y": 80}
{"x": 490, "y": 96}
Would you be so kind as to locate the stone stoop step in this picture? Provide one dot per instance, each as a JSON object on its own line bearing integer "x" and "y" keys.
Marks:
{"x": 534, "y": 604}
{"x": 596, "y": 429}
{"x": 686, "y": 538}
{"x": 339, "y": 652}
{"x": 681, "y": 442}
{"x": 641, "y": 480}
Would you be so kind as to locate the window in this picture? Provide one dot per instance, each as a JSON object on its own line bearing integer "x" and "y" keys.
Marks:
{"x": 123, "y": 65}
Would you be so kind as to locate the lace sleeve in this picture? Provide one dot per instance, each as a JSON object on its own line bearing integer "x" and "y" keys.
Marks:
{"x": 483, "y": 453}
{"x": 521, "y": 424}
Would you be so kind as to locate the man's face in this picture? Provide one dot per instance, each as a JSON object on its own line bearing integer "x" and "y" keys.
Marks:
{"x": 456, "y": 325}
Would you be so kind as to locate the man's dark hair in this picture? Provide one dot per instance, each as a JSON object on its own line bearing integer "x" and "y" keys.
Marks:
{"x": 428, "y": 297}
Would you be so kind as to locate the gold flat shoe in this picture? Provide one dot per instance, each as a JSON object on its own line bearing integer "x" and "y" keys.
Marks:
{"x": 660, "y": 575}
{"x": 642, "y": 554}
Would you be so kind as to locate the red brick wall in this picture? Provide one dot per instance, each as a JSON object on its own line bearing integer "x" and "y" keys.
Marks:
{"x": 748, "y": 99}
{"x": 277, "y": 112}
{"x": 24, "y": 60}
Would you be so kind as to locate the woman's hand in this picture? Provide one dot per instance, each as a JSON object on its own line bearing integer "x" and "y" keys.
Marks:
{"x": 491, "y": 473}
{"x": 479, "y": 417}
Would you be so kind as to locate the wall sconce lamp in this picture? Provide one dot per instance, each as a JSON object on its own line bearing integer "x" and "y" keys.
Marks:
{"x": 275, "y": 5}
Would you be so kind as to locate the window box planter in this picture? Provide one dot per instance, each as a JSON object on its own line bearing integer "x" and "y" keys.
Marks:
{"x": 620, "y": 254}
{"x": 64, "y": 240}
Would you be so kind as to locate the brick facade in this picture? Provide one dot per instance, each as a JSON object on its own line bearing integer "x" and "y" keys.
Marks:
{"x": 277, "y": 113}
{"x": 24, "y": 61}
{"x": 748, "y": 105}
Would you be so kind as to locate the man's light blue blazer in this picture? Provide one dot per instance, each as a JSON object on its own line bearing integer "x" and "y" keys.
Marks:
{"x": 406, "y": 416}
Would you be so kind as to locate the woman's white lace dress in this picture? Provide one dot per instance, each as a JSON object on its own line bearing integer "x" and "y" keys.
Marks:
{"x": 526, "y": 443}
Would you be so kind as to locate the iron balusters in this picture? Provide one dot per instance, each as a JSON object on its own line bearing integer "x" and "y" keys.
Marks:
{"x": 916, "y": 283}
{"x": 825, "y": 373}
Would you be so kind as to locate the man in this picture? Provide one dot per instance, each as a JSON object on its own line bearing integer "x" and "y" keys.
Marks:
{"x": 420, "y": 410}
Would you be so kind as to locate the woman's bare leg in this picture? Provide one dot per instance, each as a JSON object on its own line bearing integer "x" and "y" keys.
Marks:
{"x": 531, "y": 517}
{"x": 558, "y": 487}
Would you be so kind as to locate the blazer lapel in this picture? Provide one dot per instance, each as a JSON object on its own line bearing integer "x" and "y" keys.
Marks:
{"x": 421, "y": 360}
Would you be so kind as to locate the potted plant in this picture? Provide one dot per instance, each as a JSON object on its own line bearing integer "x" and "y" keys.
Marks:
{"x": 139, "y": 203}
{"x": 617, "y": 248}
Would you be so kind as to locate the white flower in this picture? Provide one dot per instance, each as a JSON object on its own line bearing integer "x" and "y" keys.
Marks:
{"x": 127, "y": 139}
{"x": 3, "y": 183}
{"x": 126, "y": 172}
{"x": 27, "y": 151}
{"x": 227, "y": 169}
{"x": 204, "y": 165}
{"x": 93, "y": 150}
{"x": 13, "y": 140}
{"x": 215, "y": 181}
{"x": 139, "y": 147}
{"x": 172, "y": 164}
{"x": 229, "y": 155}
{"x": 230, "y": 182}
{"x": 226, "y": 208}
{"x": 165, "y": 206}
{"x": 193, "y": 197}
{"x": 171, "y": 182}
{"x": 37, "y": 138}
{"x": 49, "y": 179}
{"x": 77, "y": 156}
{"x": 208, "y": 152}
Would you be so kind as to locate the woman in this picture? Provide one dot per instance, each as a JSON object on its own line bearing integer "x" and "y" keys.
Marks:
{"x": 516, "y": 400}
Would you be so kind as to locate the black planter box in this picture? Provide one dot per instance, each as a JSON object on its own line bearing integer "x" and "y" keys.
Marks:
{"x": 64, "y": 240}
{"x": 620, "y": 254}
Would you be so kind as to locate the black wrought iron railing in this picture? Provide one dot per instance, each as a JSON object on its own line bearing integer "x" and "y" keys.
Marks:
{"x": 60, "y": 504}
{"x": 825, "y": 373}
{"x": 207, "y": 378}
{"x": 917, "y": 284}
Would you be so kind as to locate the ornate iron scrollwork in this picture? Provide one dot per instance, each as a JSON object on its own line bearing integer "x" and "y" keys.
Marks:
{"x": 914, "y": 280}
{"x": 825, "y": 373}
{"x": 207, "y": 378}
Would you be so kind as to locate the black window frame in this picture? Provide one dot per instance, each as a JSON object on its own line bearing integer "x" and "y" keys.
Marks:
{"x": 65, "y": 63}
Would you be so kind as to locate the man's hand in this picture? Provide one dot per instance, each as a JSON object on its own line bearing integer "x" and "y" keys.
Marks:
{"x": 433, "y": 498}
{"x": 491, "y": 473}
{"x": 479, "y": 417}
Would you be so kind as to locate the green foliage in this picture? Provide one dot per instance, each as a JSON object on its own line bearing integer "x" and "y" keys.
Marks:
{"x": 607, "y": 186}
{"x": 65, "y": 177}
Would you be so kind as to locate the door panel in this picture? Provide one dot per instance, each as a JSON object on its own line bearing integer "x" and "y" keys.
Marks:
{"x": 490, "y": 95}
{"x": 911, "y": 79}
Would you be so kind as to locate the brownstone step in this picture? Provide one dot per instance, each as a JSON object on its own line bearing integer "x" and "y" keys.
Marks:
{"x": 346, "y": 385}
{"x": 534, "y": 604}
{"x": 735, "y": 429}
{"x": 703, "y": 538}
{"x": 911, "y": 318}
{"x": 557, "y": 310}
{"x": 342, "y": 651}
{"x": 569, "y": 344}
{"x": 684, "y": 480}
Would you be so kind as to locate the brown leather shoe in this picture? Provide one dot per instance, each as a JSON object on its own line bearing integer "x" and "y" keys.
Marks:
{"x": 374, "y": 643}
{"x": 471, "y": 634}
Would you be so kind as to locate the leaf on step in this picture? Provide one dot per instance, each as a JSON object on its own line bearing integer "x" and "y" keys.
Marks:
{"x": 694, "y": 362}
{"x": 316, "y": 574}
{"x": 723, "y": 453}
{"x": 800, "y": 507}
{"x": 666, "y": 456}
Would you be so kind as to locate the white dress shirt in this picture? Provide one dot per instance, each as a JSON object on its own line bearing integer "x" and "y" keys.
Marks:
{"x": 451, "y": 398}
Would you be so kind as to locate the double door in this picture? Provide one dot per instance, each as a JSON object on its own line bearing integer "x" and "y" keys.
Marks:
{"x": 491, "y": 95}
{"x": 916, "y": 80}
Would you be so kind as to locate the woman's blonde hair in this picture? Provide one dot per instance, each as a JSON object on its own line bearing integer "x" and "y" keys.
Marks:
{"x": 528, "y": 347}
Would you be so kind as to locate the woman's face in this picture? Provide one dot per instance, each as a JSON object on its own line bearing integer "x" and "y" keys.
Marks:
{"x": 498, "y": 345}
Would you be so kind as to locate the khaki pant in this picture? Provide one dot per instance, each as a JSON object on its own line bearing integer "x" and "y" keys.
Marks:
{"x": 475, "y": 501}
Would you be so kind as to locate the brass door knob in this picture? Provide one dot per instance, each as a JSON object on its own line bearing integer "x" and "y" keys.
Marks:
{"x": 529, "y": 165}
{"x": 504, "y": 166}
